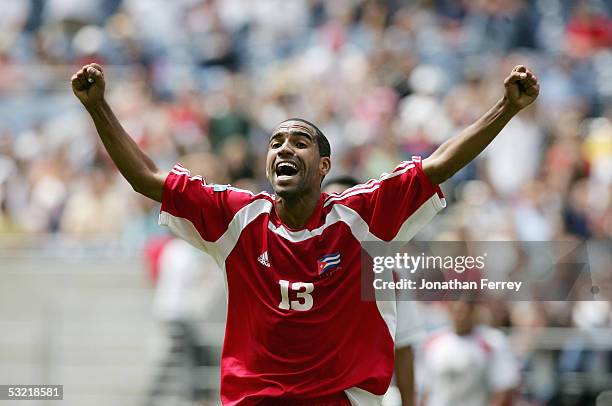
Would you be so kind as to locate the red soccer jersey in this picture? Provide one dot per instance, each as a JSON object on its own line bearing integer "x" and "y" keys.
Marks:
{"x": 296, "y": 325}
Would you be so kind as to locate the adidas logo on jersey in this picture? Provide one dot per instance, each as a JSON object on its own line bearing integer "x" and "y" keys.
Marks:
{"x": 263, "y": 259}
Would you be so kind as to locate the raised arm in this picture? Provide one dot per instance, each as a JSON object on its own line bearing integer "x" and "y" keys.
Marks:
{"x": 136, "y": 167}
{"x": 521, "y": 89}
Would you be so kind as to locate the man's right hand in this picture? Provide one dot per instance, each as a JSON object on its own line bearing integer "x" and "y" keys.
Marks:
{"x": 88, "y": 84}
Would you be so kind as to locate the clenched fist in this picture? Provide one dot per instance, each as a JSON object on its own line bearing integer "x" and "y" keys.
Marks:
{"x": 88, "y": 84}
{"x": 522, "y": 87}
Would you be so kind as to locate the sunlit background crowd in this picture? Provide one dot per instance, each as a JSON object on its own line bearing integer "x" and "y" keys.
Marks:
{"x": 203, "y": 82}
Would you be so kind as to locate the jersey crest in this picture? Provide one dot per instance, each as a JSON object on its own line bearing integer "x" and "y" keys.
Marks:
{"x": 328, "y": 262}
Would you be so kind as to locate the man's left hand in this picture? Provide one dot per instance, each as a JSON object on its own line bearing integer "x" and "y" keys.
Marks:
{"x": 522, "y": 87}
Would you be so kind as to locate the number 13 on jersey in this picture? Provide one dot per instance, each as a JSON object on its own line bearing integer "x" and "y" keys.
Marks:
{"x": 302, "y": 291}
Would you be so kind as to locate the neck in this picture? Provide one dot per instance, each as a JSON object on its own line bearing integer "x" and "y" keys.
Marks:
{"x": 295, "y": 212}
{"x": 464, "y": 330}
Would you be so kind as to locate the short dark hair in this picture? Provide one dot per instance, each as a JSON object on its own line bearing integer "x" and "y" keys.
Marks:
{"x": 321, "y": 139}
{"x": 347, "y": 181}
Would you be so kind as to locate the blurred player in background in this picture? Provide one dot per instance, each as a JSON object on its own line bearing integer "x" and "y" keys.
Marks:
{"x": 298, "y": 332}
{"x": 339, "y": 184}
{"x": 177, "y": 304}
{"x": 469, "y": 364}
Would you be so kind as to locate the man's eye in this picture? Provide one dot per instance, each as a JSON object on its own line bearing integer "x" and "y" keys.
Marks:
{"x": 301, "y": 145}
{"x": 275, "y": 145}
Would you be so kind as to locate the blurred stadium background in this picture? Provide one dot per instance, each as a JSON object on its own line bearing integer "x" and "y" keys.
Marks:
{"x": 204, "y": 81}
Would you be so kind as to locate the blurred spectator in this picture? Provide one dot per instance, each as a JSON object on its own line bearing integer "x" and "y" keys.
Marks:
{"x": 83, "y": 208}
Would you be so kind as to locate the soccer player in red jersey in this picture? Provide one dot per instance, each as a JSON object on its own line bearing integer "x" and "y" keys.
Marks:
{"x": 297, "y": 331}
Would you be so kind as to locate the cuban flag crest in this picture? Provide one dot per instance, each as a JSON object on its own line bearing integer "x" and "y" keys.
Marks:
{"x": 328, "y": 262}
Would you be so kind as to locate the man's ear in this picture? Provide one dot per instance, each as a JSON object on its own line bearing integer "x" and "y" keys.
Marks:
{"x": 324, "y": 166}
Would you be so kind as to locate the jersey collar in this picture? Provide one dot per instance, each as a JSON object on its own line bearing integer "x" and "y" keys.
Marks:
{"x": 313, "y": 222}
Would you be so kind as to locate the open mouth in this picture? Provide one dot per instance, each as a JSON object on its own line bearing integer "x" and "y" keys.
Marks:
{"x": 286, "y": 169}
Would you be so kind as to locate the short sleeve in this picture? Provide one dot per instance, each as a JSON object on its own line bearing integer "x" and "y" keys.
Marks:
{"x": 398, "y": 204}
{"x": 503, "y": 367}
{"x": 410, "y": 327}
{"x": 196, "y": 211}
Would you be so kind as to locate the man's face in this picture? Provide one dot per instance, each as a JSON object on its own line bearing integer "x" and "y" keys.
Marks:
{"x": 463, "y": 315}
{"x": 293, "y": 164}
